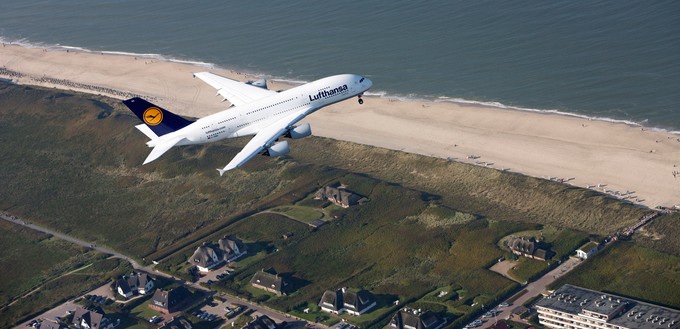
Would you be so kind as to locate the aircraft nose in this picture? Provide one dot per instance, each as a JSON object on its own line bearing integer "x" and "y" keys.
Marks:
{"x": 368, "y": 83}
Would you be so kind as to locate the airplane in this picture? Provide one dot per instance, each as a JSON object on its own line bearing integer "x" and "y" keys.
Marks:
{"x": 255, "y": 110}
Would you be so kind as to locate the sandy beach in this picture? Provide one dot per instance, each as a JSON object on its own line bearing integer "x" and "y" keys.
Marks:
{"x": 630, "y": 162}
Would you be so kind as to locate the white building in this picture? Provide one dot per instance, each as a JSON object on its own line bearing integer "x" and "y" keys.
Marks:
{"x": 344, "y": 300}
{"x": 206, "y": 258}
{"x": 575, "y": 307}
{"x": 136, "y": 283}
{"x": 587, "y": 250}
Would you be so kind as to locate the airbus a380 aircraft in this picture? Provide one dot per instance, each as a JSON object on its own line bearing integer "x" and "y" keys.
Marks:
{"x": 255, "y": 110}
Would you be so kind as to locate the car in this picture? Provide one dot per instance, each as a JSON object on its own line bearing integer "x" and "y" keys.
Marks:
{"x": 504, "y": 304}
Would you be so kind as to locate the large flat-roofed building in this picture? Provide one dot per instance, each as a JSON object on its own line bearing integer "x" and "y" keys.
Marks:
{"x": 576, "y": 307}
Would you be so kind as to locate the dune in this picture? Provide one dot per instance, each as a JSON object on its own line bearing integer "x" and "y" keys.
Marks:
{"x": 630, "y": 162}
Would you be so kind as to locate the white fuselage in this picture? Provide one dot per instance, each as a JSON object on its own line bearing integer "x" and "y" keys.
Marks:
{"x": 249, "y": 119}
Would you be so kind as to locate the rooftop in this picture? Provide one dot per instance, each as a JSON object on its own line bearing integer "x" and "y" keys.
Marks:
{"x": 588, "y": 246}
{"x": 613, "y": 309}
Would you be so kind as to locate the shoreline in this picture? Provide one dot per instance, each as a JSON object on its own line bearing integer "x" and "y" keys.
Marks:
{"x": 610, "y": 157}
{"x": 380, "y": 94}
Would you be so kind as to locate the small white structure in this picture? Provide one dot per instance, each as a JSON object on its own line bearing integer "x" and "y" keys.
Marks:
{"x": 587, "y": 250}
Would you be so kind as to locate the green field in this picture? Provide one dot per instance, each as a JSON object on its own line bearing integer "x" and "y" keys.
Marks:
{"x": 34, "y": 258}
{"x": 630, "y": 270}
{"x": 62, "y": 288}
{"x": 476, "y": 190}
{"x": 662, "y": 234}
{"x": 33, "y": 271}
{"x": 301, "y": 213}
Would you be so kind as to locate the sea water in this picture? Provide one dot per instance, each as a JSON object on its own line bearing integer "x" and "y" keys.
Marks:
{"x": 614, "y": 60}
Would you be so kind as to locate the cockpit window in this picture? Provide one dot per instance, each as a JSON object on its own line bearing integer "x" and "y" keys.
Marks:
{"x": 362, "y": 80}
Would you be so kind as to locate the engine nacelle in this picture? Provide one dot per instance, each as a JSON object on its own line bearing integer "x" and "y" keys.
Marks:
{"x": 278, "y": 149}
{"x": 299, "y": 131}
{"x": 262, "y": 83}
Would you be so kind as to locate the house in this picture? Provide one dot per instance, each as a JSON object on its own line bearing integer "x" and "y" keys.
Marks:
{"x": 176, "y": 323}
{"x": 339, "y": 196}
{"x": 587, "y": 250}
{"x": 262, "y": 322}
{"x": 273, "y": 283}
{"x": 169, "y": 301}
{"x": 345, "y": 300}
{"x": 136, "y": 283}
{"x": 529, "y": 248}
{"x": 206, "y": 257}
{"x": 231, "y": 248}
{"x": 415, "y": 319}
{"x": 90, "y": 319}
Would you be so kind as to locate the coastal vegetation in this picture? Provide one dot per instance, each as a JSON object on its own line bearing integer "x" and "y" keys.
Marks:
{"x": 632, "y": 270}
{"x": 429, "y": 225}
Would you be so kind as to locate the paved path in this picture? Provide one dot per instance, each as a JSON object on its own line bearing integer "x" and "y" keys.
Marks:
{"x": 535, "y": 288}
{"x": 503, "y": 268}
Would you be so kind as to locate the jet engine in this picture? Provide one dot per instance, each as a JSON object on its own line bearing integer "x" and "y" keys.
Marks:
{"x": 262, "y": 83}
{"x": 278, "y": 149}
{"x": 299, "y": 131}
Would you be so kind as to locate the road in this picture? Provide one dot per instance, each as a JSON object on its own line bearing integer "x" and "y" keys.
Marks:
{"x": 535, "y": 288}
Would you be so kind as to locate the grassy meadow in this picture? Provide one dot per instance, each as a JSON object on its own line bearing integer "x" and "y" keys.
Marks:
{"x": 34, "y": 258}
{"x": 62, "y": 288}
{"x": 34, "y": 267}
{"x": 631, "y": 270}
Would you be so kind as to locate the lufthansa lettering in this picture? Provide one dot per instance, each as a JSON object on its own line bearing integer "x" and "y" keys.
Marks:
{"x": 327, "y": 93}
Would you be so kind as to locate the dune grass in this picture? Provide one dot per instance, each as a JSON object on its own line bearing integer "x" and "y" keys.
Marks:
{"x": 630, "y": 270}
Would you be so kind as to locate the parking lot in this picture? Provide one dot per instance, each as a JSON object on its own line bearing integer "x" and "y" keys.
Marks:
{"x": 215, "y": 275}
{"x": 219, "y": 307}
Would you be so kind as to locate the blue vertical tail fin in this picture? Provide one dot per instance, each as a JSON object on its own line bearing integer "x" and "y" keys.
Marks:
{"x": 159, "y": 120}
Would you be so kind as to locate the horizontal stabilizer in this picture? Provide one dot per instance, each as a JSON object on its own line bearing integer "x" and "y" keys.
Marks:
{"x": 147, "y": 131}
{"x": 161, "y": 148}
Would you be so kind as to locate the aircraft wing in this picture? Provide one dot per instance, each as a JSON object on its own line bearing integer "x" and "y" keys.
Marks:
{"x": 236, "y": 92}
{"x": 263, "y": 139}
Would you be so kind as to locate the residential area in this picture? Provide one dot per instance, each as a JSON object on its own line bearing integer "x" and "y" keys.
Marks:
{"x": 330, "y": 257}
